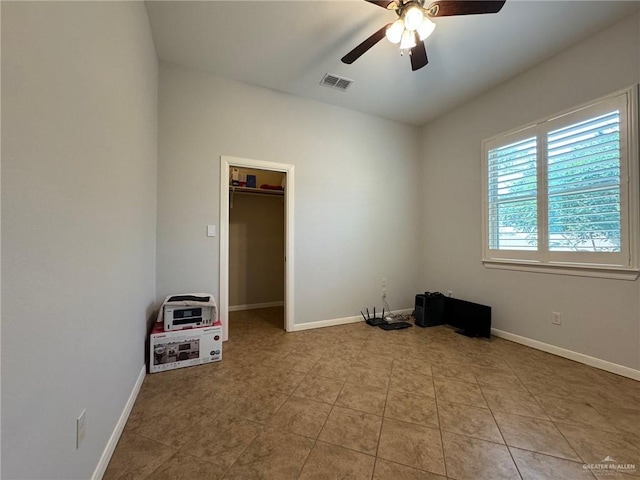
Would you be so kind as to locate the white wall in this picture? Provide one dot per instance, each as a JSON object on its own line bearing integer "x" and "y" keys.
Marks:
{"x": 356, "y": 195}
{"x": 600, "y": 316}
{"x": 79, "y": 148}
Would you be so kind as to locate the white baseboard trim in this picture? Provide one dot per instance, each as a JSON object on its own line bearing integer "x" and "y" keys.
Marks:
{"x": 571, "y": 355}
{"x": 115, "y": 436}
{"x": 298, "y": 327}
{"x": 254, "y": 306}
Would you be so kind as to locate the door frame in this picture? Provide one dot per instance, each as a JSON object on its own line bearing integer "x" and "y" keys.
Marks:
{"x": 226, "y": 162}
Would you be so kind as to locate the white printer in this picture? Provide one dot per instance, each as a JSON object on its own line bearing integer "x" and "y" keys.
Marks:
{"x": 190, "y": 310}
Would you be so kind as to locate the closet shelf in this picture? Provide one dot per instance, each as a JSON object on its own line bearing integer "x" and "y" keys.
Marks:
{"x": 255, "y": 191}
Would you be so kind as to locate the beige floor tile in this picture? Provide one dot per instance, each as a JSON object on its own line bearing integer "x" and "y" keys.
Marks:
{"x": 152, "y": 405}
{"x": 453, "y": 391}
{"x": 512, "y": 401}
{"x": 625, "y": 419}
{"x": 363, "y": 398}
{"x": 463, "y": 373}
{"x": 375, "y": 362}
{"x": 256, "y": 405}
{"x": 224, "y": 441}
{"x": 381, "y": 348}
{"x": 301, "y": 416}
{"x": 535, "y": 466}
{"x": 410, "y": 381}
{"x": 411, "y": 408}
{"x": 135, "y": 457}
{"x": 172, "y": 383}
{"x": 594, "y": 446}
{"x": 573, "y": 411}
{"x": 470, "y": 421}
{"x": 175, "y": 427}
{"x": 273, "y": 454}
{"x": 386, "y": 470}
{"x": 300, "y": 361}
{"x": 413, "y": 361}
{"x": 211, "y": 391}
{"x": 412, "y": 445}
{"x": 281, "y": 381}
{"x": 472, "y": 459}
{"x": 352, "y": 429}
{"x": 483, "y": 358}
{"x": 332, "y": 367}
{"x": 186, "y": 467}
{"x": 319, "y": 388}
{"x": 534, "y": 434}
{"x": 504, "y": 379}
{"x": 369, "y": 377}
{"x": 328, "y": 461}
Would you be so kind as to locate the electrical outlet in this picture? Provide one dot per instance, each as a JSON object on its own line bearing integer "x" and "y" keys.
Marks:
{"x": 383, "y": 282}
{"x": 556, "y": 318}
{"x": 80, "y": 428}
{"x": 449, "y": 293}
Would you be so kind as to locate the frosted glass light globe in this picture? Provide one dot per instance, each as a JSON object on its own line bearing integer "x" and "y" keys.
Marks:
{"x": 426, "y": 28}
{"x": 408, "y": 40}
{"x": 413, "y": 18}
{"x": 394, "y": 31}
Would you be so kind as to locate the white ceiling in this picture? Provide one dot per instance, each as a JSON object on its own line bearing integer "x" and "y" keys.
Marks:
{"x": 289, "y": 45}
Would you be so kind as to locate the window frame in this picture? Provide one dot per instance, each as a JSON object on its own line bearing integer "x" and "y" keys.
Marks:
{"x": 623, "y": 264}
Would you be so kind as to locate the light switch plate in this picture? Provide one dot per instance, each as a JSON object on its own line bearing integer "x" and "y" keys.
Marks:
{"x": 211, "y": 230}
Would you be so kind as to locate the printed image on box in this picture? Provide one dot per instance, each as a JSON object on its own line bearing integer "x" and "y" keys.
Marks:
{"x": 176, "y": 351}
{"x": 184, "y": 348}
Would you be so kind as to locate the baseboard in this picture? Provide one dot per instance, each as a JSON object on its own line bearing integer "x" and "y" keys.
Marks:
{"x": 337, "y": 321}
{"x": 254, "y": 306}
{"x": 571, "y": 355}
{"x": 115, "y": 436}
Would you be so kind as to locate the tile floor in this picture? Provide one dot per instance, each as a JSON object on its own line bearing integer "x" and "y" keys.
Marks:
{"x": 356, "y": 402}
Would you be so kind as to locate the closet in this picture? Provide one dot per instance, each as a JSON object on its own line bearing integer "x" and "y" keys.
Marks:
{"x": 256, "y": 239}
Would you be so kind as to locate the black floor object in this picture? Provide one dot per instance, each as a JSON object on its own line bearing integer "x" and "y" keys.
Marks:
{"x": 395, "y": 326}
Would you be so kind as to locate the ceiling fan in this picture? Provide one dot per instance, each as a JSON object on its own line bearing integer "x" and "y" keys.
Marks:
{"x": 413, "y": 25}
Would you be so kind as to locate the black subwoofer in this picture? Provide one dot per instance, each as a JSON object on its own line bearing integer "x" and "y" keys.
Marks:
{"x": 429, "y": 309}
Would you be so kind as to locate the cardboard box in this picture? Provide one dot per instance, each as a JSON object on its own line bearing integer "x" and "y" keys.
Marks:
{"x": 184, "y": 348}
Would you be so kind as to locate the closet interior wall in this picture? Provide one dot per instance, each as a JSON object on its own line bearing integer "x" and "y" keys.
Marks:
{"x": 256, "y": 243}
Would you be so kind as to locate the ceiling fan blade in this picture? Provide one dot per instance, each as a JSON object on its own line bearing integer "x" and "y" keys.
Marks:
{"x": 418, "y": 56}
{"x": 388, "y": 4}
{"x": 357, "y": 52}
{"x": 447, "y": 8}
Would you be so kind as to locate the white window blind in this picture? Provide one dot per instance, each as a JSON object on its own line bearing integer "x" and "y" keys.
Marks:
{"x": 513, "y": 196}
{"x": 584, "y": 185}
{"x": 564, "y": 191}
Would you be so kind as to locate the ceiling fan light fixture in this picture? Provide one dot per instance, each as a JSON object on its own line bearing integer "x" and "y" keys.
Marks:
{"x": 426, "y": 28}
{"x": 413, "y": 18}
{"x": 408, "y": 40}
{"x": 394, "y": 31}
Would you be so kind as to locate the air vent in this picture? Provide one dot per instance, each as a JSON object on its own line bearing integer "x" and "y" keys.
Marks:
{"x": 334, "y": 81}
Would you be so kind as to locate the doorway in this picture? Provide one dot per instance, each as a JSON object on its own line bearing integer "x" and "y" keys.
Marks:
{"x": 230, "y": 193}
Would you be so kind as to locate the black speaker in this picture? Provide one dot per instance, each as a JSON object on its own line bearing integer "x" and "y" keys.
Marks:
{"x": 429, "y": 309}
{"x": 418, "y": 311}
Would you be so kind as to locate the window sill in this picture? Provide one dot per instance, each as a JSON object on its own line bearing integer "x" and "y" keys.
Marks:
{"x": 617, "y": 273}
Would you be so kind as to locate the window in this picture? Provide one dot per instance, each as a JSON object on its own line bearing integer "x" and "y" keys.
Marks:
{"x": 561, "y": 194}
